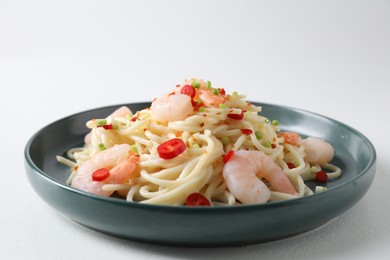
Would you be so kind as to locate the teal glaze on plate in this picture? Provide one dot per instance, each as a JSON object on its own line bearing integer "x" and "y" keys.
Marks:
{"x": 202, "y": 226}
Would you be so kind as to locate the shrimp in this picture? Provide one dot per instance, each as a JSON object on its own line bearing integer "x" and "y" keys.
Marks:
{"x": 207, "y": 95}
{"x": 291, "y": 138}
{"x": 243, "y": 173}
{"x": 123, "y": 111}
{"x": 178, "y": 105}
{"x": 209, "y": 99}
{"x": 317, "y": 150}
{"x": 172, "y": 107}
{"x": 115, "y": 159}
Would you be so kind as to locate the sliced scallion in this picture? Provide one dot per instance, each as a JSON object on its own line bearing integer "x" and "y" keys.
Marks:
{"x": 134, "y": 148}
{"x": 259, "y": 135}
{"x": 208, "y": 84}
{"x": 313, "y": 169}
{"x": 102, "y": 147}
{"x": 225, "y": 140}
{"x": 101, "y": 122}
{"x": 195, "y": 83}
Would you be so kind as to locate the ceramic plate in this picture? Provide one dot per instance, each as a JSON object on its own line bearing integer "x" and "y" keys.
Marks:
{"x": 202, "y": 226}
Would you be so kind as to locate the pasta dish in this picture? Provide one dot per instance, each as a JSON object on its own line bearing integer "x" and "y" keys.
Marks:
{"x": 197, "y": 146}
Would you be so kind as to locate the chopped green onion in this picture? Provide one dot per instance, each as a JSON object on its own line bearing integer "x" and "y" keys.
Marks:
{"x": 134, "y": 148}
{"x": 101, "y": 122}
{"x": 235, "y": 93}
{"x": 259, "y": 135}
{"x": 195, "y": 146}
{"x": 216, "y": 91}
{"x": 275, "y": 122}
{"x": 267, "y": 121}
{"x": 313, "y": 169}
{"x": 267, "y": 144}
{"x": 225, "y": 140}
{"x": 222, "y": 105}
{"x": 195, "y": 83}
{"x": 296, "y": 164}
{"x": 202, "y": 109}
{"x": 208, "y": 84}
{"x": 199, "y": 101}
{"x": 115, "y": 127}
{"x": 102, "y": 147}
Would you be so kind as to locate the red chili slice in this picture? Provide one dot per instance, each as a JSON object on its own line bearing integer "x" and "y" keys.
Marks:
{"x": 228, "y": 156}
{"x": 197, "y": 105}
{"x": 188, "y": 90}
{"x": 171, "y": 149}
{"x": 222, "y": 91}
{"x": 236, "y": 116}
{"x": 107, "y": 127}
{"x": 100, "y": 174}
{"x": 246, "y": 131}
{"x": 197, "y": 199}
{"x": 321, "y": 176}
{"x": 290, "y": 165}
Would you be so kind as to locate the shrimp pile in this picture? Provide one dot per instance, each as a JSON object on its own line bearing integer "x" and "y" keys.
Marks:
{"x": 196, "y": 145}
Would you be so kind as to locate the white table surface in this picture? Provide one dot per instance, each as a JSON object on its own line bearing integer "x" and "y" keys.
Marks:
{"x": 61, "y": 57}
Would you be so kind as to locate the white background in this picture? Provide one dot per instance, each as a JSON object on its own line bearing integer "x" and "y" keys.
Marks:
{"x": 61, "y": 57}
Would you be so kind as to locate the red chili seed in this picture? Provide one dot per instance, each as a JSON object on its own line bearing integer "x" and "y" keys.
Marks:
{"x": 197, "y": 199}
{"x": 188, "y": 90}
{"x": 236, "y": 116}
{"x": 290, "y": 165}
{"x": 100, "y": 174}
{"x": 321, "y": 176}
{"x": 246, "y": 131}
{"x": 228, "y": 156}
{"x": 197, "y": 105}
{"x": 107, "y": 127}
